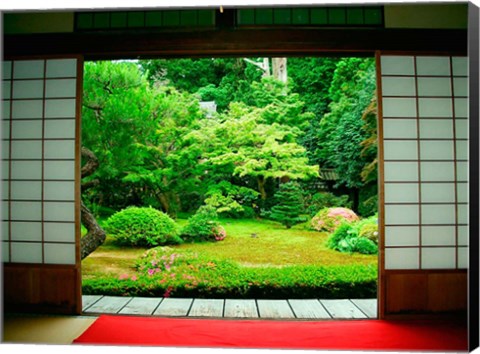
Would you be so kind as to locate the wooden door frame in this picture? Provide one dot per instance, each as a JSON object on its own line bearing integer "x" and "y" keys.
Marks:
{"x": 234, "y": 43}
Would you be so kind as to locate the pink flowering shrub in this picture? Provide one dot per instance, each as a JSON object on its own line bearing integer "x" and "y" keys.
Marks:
{"x": 329, "y": 219}
{"x": 219, "y": 233}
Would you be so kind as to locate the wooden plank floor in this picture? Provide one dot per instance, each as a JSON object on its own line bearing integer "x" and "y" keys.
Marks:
{"x": 232, "y": 308}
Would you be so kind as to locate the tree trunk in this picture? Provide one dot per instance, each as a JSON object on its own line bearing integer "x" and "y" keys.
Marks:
{"x": 261, "y": 187}
{"x": 165, "y": 202}
{"x": 279, "y": 66}
{"x": 95, "y": 235}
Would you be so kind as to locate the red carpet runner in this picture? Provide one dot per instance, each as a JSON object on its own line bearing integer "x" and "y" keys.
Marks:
{"x": 420, "y": 335}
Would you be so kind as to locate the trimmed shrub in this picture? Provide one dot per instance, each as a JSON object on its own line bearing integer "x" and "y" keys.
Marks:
{"x": 329, "y": 219}
{"x": 360, "y": 237}
{"x": 164, "y": 271}
{"x": 203, "y": 226}
{"x": 289, "y": 205}
{"x": 142, "y": 227}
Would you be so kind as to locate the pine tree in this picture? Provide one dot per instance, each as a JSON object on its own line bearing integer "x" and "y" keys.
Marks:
{"x": 289, "y": 205}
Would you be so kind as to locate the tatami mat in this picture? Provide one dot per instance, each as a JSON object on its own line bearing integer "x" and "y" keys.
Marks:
{"x": 34, "y": 329}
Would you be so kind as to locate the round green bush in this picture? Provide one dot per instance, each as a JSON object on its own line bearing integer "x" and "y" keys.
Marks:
{"x": 204, "y": 226}
{"x": 346, "y": 238}
{"x": 329, "y": 219}
{"x": 142, "y": 227}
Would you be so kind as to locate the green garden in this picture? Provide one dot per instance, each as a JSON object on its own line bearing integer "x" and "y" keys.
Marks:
{"x": 230, "y": 177}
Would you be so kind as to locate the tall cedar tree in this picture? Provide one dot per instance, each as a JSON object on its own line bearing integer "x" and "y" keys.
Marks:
{"x": 289, "y": 205}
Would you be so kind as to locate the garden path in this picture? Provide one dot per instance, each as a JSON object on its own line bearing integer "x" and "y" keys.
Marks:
{"x": 231, "y": 308}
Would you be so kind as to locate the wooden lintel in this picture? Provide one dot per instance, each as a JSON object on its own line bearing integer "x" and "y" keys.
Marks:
{"x": 239, "y": 42}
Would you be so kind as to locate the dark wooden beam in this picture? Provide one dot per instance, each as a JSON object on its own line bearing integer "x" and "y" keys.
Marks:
{"x": 230, "y": 42}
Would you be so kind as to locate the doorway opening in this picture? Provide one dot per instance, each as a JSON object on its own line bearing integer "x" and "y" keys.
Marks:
{"x": 231, "y": 178}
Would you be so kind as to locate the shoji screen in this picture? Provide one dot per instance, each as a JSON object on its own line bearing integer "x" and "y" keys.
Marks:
{"x": 39, "y": 169}
{"x": 425, "y": 162}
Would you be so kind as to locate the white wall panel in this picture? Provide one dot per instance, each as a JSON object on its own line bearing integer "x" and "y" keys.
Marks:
{"x": 5, "y": 252}
{"x": 59, "y": 253}
{"x": 27, "y": 109}
{"x": 401, "y": 171}
{"x": 434, "y": 86}
{"x": 28, "y": 89}
{"x": 400, "y": 150}
{"x": 27, "y": 129}
{"x": 23, "y": 190}
{"x": 462, "y": 257}
{"x": 59, "y": 190}
{"x": 26, "y": 231}
{"x": 435, "y": 66}
{"x": 401, "y": 193}
{"x": 400, "y": 129}
{"x": 438, "y": 214}
{"x": 402, "y": 236}
{"x": 402, "y": 258}
{"x": 39, "y": 132}
{"x": 60, "y": 129}
{"x": 397, "y": 65}
{"x": 59, "y": 170}
{"x": 460, "y": 66}
{"x": 61, "y": 68}
{"x": 438, "y": 258}
{"x": 437, "y": 171}
{"x": 438, "y": 192}
{"x": 435, "y": 108}
{"x": 59, "y": 232}
{"x": 59, "y": 149}
{"x": 59, "y": 211}
{"x": 26, "y": 170}
{"x": 6, "y": 70}
{"x": 438, "y": 235}
{"x": 436, "y": 129}
{"x": 398, "y": 86}
{"x": 26, "y": 149}
{"x": 29, "y": 69}
{"x": 23, "y": 252}
{"x": 426, "y": 210}
{"x": 436, "y": 150}
{"x": 399, "y": 107}
{"x": 401, "y": 215}
{"x": 460, "y": 86}
{"x": 6, "y": 90}
{"x": 61, "y": 88}
{"x": 31, "y": 211}
{"x": 461, "y": 107}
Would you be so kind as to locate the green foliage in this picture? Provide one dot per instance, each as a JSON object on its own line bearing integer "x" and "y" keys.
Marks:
{"x": 289, "y": 205}
{"x": 165, "y": 272}
{"x": 311, "y": 79}
{"x": 321, "y": 200}
{"x": 360, "y": 237}
{"x": 329, "y": 219}
{"x": 136, "y": 130}
{"x": 142, "y": 227}
{"x": 369, "y": 231}
{"x": 230, "y": 200}
{"x": 156, "y": 147}
{"x": 343, "y": 131}
{"x": 203, "y": 226}
{"x": 368, "y": 200}
{"x": 240, "y": 144}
